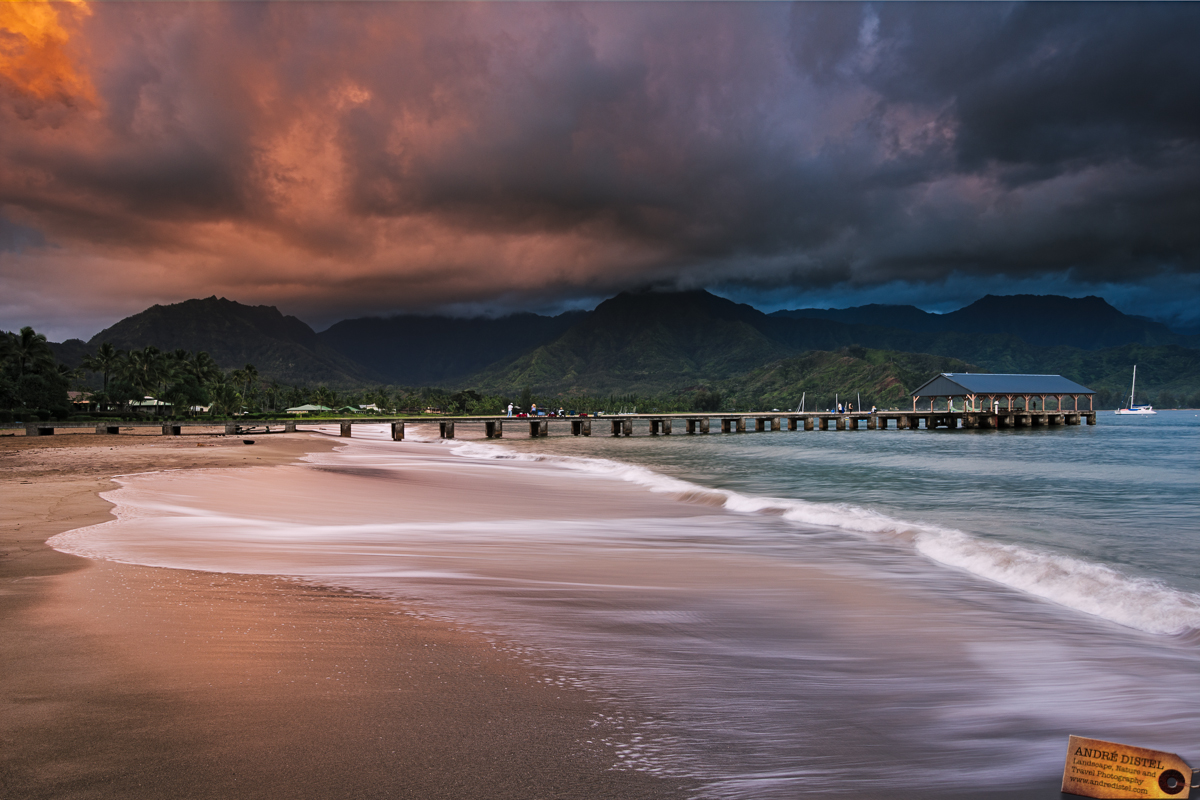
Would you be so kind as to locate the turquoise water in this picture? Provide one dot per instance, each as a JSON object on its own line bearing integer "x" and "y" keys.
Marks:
{"x": 917, "y": 614}
{"x": 1123, "y": 493}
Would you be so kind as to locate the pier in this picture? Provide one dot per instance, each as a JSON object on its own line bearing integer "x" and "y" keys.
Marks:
{"x": 1026, "y": 400}
{"x": 621, "y": 425}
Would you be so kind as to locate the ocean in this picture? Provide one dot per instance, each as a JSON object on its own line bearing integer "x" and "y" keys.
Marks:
{"x": 909, "y": 613}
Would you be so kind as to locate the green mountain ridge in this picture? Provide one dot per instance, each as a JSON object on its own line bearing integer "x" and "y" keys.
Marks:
{"x": 283, "y": 348}
{"x": 822, "y": 378}
{"x": 642, "y": 343}
{"x": 418, "y": 350}
{"x": 651, "y": 343}
{"x": 1089, "y": 323}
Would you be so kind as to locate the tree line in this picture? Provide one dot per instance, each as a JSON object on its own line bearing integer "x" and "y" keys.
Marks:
{"x": 192, "y": 383}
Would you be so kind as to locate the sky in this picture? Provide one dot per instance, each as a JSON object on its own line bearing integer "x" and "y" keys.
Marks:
{"x": 341, "y": 159}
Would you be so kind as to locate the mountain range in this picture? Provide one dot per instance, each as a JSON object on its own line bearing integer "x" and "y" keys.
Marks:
{"x": 654, "y": 342}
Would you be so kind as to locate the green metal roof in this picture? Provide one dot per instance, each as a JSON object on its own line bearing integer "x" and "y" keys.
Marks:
{"x": 956, "y": 384}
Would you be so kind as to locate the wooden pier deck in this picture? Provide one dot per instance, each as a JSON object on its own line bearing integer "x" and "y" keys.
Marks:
{"x": 493, "y": 427}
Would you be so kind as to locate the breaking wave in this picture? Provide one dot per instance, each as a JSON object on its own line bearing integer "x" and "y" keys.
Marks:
{"x": 1139, "y": 603}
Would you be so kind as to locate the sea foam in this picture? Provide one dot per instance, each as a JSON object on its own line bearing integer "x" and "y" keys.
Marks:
{"x": 1140, "y": 603}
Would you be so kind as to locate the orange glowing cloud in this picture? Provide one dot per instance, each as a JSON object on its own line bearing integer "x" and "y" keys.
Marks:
{"x": 347, "y": 158}
{"x": 34, "y": 60}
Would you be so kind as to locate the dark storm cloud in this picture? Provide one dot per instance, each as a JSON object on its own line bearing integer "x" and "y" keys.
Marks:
{"x": 385, "y": 156}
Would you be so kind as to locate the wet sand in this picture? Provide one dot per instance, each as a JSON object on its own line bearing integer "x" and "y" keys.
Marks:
{"x": 135, "y": 682}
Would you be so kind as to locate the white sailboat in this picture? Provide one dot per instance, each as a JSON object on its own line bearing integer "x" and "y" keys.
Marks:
{"x": 1132, "y": 409}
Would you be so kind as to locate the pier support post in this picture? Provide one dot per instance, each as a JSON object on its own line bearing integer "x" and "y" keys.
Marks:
{"x": 971, "y": 421}
{"x": 587, "y": 427}
{"x": 107, "y": 429}
{"x": 691, "y": 426}
{"x": 792, "y": 423}
{"x": 902, "y": 423}
{"x": 447, "y": 430}
{"x": 741, "y": 424}
{"x": 1091, "y": 418}
{"x": 726, "y": 425}
{"x": 231, "y": 429}
{"x": 1072, "y": 419}
{"x": 823, "y": 423}
{"x": 775, "y": 424}
{"x": 808, "y": 423}
{"x": 841, "y": 423}
{"x": 171, "y": 429}
{"x": 576, "y": 427}
{"x": 397, "y": 431}
{"x": 760, "y": 424}
{"x": 346, "y": 429}
{"x": 704, "y": 423}
{"x": 493, "y": 429}
{"x": 883, "y": 423}
{"x": 627, "y": 427}
{"x": 290, "y": 427}
{"x": 952, "y": 423}
{"x": 539, "y": 428}
{"x": 616, "y": 427}
{"x": 666, "y": 427}
{"x": 872, "y": 423}
{"x": 655, "y": 424}
{"x": 38, "y": 429}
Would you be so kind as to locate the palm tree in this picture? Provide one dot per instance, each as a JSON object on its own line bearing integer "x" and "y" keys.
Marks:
{"x": 149, "y": 370}
{"x": 324, "y": 396}
{"x": 107, "y": 361}
{"x": 225, "y": 400}
{"x": 271, "y": 394}
{"x": 250, "y": 376}
{"x": 31, "y": 352}
{"x": 205, "y": 370}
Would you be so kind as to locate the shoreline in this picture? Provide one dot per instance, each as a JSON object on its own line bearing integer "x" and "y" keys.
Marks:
{"x": 131, "y": 681}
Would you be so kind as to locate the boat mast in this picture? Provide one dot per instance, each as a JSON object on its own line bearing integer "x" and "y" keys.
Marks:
{"x": 1132, "y": 386}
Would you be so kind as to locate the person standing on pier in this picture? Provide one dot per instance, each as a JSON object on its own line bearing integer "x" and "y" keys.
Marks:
{"x": 510, "y": 409}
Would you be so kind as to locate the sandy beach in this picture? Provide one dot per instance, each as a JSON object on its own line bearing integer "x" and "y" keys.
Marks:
{"x": 136, "y": 682}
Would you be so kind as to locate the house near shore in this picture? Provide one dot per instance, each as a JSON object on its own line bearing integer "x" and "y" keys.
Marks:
{"x": 149, "y": 404}
{"x": 83, "y": 402}
{"x": 307, "y": 409}
{"x": 985, "y": 392}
